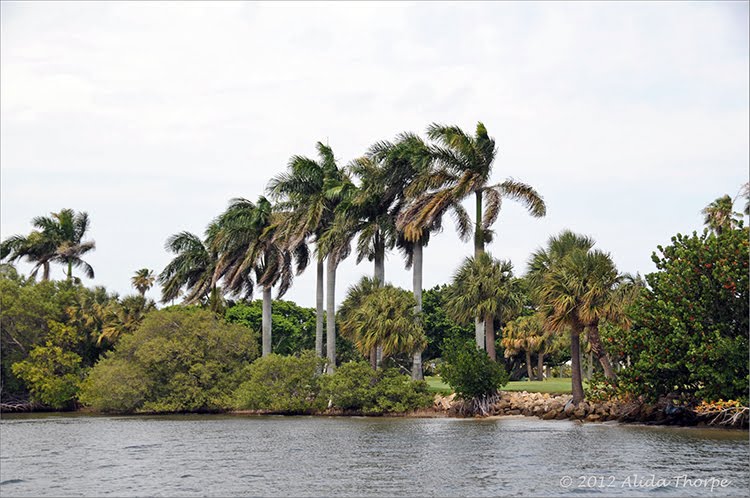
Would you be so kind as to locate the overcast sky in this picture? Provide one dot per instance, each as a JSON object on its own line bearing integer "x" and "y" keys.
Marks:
{"x": 627, "y": 117}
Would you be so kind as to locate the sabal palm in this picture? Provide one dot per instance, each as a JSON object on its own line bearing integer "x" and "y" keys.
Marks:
{"x": 720, "y": 216}
{"x": 192, "y": 268}
{"x": 124, "y": 317}
{"x": 143, "y": 280}
{"x": 57, "y": 239}
{"x": 483, "y": 286}
{"x": 381, "y": 315}
{"x": 574, "y": 295}
{"x": 307, "y": 190}
{"x": 526, "y": 333}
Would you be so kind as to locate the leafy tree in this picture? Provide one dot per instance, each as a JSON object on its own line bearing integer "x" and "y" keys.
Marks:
{"x": 484, "y": 286}
{"x": 143, "y": 280}
{"x": 282, "y": 384}
{"x": 188, "y": 359}
{"x": 690, "y": 327}
{"x": 437, "y": 324}
{"x": 472, "y": 374}
{"x": 294, "y": 326}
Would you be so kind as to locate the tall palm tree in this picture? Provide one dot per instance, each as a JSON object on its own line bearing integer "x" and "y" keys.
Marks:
{"x": 464, "y": 166}
{"x": 57, "y": 239}
{"x": 307, "y": 190}
{"x": 246, "y": 242}
{"x": 192, "y": 268}
{"x": 720, "y": 216}
{"x": 375, "y": 314}
{"x": 143, "y": 280}
{"x": 483, "y": 286}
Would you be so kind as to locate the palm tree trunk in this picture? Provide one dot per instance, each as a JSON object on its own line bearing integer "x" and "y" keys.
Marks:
{"x": 45, "y": 272}
{"x": 319, "y": 310}
{"x": 266, "y": 321}
{"x": 416, "y": 283}
{"x": 529, "y": 370}
{"x": 379, "y": 276}
{"x": 540, "y": 365}
{"x": 479, "y": 331}
{"x": 490, "y": 325}
{"x": 575, "y": 360}
{"x": 70, "y": 270}
{"x": 374, "y": 358}
{"x": 331, "y": 313}
{"x": 590, "y": 362}
{"x": 598, "y": 350}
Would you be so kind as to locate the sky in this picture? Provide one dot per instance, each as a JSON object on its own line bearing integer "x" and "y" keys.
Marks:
{"x": 628, "y": 118}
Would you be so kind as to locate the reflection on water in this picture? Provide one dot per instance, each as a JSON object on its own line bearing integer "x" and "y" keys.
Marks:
{"x": 210, "y": 455}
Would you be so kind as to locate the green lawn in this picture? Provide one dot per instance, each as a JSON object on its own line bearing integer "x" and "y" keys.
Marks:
{"x": 535, "y": 386}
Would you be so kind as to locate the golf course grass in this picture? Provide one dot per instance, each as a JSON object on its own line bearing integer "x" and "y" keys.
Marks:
{"x": 556, "y": 385}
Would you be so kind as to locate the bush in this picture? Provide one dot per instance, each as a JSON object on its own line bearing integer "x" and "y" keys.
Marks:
{"x": 356, "y": 387}
{"x": 469, "y": 371}
{"x": 182, "y": 359}
{"x": 282, "y": 384}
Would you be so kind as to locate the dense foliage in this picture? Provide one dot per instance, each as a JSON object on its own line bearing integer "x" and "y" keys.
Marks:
{"x": 183, "y": 359}
{"x": 282, "y": 384}
{"x": 357, "y": 387}
{"x": 690, "y": 334}
{"x": 470, "y": 371}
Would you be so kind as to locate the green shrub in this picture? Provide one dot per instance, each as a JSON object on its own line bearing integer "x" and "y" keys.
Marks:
{"x": 186, "y": 360}
{"x": 282, "y": 384}
{"x": 356, "y": 387}
{"x": 470, "y": 371}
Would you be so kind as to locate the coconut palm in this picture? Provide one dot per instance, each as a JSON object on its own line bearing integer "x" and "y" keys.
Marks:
{"x": 464, "y": 166}
{"x": 483, "y": 286}
{"x": 143, "y": 280}
{"x": 720, "y": 216}
{"x": 192, "y": 268}
{"x": 308, "y": 191}
{"x": 246, "y": 241}
{"x": 375, "y": 314}
{"x": 57, "y": 239}
{"x": 527, "y": 334}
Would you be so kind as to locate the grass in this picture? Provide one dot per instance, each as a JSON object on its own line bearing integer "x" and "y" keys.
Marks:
{"x": 556, "y": 385}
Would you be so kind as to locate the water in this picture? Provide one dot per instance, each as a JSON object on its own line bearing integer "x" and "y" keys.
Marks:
{"x": 211, "y": 455}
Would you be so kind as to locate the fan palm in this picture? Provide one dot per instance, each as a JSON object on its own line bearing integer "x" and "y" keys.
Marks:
{"x": 720, "y": 216}
{"x": 526, "y": 333}
{"x": 307, "y": 191}
{"x": 483, "y": 286}
{"x": 143, "y": 280}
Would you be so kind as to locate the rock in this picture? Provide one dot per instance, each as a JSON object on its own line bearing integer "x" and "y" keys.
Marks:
{"x": 550, "y": 415}
{"x": 514, "y": 412}
{"x": 503, "y": 404}
{"x": 569, "y": 408}
{"x": 593, "y": 418}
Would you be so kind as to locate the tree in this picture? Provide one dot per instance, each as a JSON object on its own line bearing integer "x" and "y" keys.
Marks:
{"x": 310, "y": 190}
{"x": 484, "y": 286}
{"x": 374, "y": 315}
{"x": 690, "y": 326}
{"x": 527, "y": 334}
{"x": 464, "y": 166}
{"x": 124, "y": 317}
{"x": 57, "y": 239}
{"x": 143, "y": 280}
{"x": 192, "y": 269}
{"x": 720, "y": 216}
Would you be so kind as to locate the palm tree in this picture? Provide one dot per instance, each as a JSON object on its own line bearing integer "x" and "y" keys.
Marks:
{"x": 381, "y": 315}
{"x": 307, "y": 190}
{"x": 57, "y": 239}
{"x": 526, "y": 333}
{"x": 246, "y": 241}
{"x": 484, "y": 286}
{"x": 745, "y": 192}
{"x": 464, "y": 167}
{"x": 124, "y": 317}
{"x": 720, "y": 216}
{"x": 143, "y": 280}
{"x": 192, "y": 268}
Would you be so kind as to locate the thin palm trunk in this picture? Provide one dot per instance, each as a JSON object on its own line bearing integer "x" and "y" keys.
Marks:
{"x": 598, "y": 350}
{"x": 575, "y": 361}
{"x": 590, "y": 371}
{"x": 45, "y": 272}
{"x": 266, "y": 321}
{"x": 479, "y": 328}
{"x": 319, "y": 310}
{"x": 490, "y": 324}
{"x": 529, "y": 370}
{"x": 331, "y": 313}
{"x": 376, "y": 356}
{"x": 540, "y": 365}
{"x": 70, "y": 270}
{"x": 416, "y": 282}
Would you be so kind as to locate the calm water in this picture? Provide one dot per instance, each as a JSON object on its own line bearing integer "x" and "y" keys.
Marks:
{"x": 59, "y": 455}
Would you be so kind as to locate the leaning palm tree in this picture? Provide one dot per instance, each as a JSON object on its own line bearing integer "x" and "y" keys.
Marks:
{"x": 143, "y": 280}
{"x": 464, "y": 166}
{"x": 381, "y": 315}
{"x": 192, "y": 269}
{"x": 484, "y": 286}
{"x": 307, "y": 191}
{"x": 719, "y": 216}
{"x": 57, "y": 239}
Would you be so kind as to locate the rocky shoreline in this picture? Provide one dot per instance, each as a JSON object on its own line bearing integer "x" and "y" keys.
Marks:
{"x": 560, "y": 407}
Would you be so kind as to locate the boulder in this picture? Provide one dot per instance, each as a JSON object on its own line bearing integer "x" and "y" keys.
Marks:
{"x": 593, "y": 418}
{"x": 550, "y": 415}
